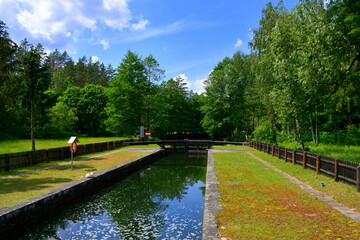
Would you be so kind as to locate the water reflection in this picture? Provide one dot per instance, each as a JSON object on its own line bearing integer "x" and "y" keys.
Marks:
{"x": 164, "y": 201}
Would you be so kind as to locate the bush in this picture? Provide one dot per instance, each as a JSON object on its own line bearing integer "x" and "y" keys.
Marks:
{"x": 265, "y": 132}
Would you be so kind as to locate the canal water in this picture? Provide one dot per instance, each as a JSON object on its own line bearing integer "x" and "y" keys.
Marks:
{"x": 163, "y": 201}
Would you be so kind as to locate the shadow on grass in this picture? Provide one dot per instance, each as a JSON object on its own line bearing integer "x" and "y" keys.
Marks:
{"x": 26, "y": 184}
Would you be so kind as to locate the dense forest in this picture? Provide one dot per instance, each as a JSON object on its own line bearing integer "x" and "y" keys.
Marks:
{"x": 300, "y": 82}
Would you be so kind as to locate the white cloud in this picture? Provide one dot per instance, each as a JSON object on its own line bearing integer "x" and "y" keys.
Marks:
{"x": 105, "y": 43}
{"x": 154, "y": 32}
{"x": 140, "y": 25}
{"x": 238, "y": 43}
{"x": 95, "y": 59}
{"x": 51, "y": 20}
{"x": 199, "y": 86}
{"x": 185, "y": 78}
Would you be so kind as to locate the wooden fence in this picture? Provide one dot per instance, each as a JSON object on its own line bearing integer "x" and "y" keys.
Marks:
{"x": 332, "y": 167}
{"x": 22, "y": 159}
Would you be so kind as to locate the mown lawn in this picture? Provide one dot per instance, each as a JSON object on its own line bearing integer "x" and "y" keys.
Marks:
{"x": 259, "y": 203}
{"x": 21, "y": 188}
{"x": 11, "y": 146}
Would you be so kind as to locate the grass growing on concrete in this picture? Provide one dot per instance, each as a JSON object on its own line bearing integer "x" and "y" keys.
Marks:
{"x": 258, "y": 202}
{"x": 341, "y": 192}
{"x": 55, "y": 163}
{"x": 11, "y": 146}
{"x": 24, "y": 187}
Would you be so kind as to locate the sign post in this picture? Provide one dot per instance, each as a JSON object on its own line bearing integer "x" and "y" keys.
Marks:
{"x": 142, "y": 130}
{"x": 73, "y": 147}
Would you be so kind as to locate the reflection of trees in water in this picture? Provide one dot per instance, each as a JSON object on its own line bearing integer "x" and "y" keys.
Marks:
{"x": 139, "y": 200}
{"x": 134, "y": 205}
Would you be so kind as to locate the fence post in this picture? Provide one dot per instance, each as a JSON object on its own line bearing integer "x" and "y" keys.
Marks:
{"x": 30, "y": 158}
{"x": 108, "y": 145}
{"x": 318, "y": 164}
{"x": 272, "y": 150}
{"x": 285, "y": 157}
{"x": 7, "y": 163}
{"x": 304, "y": 159}
{"x": 294, "y": 157}
{"x": 336, "y": 170}
{"x": 358, "y": 178}
{"x": 93, "y": 147}
{"x": 47, "y": 155}
{"x": 279, "y": 152}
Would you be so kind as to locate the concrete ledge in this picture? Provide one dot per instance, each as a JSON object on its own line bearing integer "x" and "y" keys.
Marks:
{"x": 211, "y": 205}
{"x": 13, "y": 218}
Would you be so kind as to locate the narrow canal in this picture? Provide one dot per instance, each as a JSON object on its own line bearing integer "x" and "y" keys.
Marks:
{"x": 163, "y": 201}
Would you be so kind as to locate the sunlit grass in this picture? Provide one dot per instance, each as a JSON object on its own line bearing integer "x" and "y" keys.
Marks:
{"x": 58, "y": 162}
{"x": 24, "y": 187}
{"x": 11, "y": 146}
{"x": 259, "y": 203}
{"x": 341, "y": 192}
{"x": 349, "y": 153}
{"x": 232, "y": 147}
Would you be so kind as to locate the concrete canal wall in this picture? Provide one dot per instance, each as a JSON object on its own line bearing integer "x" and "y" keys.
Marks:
{"x": 13, "y": 218}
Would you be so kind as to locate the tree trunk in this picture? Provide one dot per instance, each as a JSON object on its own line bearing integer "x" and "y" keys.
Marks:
{"x": 32, "y": 125}
{"x": 299, "y": 138}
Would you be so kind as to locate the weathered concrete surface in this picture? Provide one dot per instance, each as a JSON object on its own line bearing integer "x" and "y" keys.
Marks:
{"x": 212, "y": 206}
{"x": 12, "y": 218}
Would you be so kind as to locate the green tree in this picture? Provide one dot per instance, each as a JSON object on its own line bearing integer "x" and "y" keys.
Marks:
{"x": 127, "y": 95}
{"x": 63, "y": 120}
{"x": 34, "y": 80}
{"x": 153, "y": 74}
{"x": 224, "y": 102}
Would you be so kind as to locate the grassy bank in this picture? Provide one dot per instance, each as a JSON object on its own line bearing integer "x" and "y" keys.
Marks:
{"x": 349, "y": 153}
{"x": 341, "y": 192}
{"x": 24, "y": 187}
{"x": 11, "y": 146}
{"x": 259, "y": 202}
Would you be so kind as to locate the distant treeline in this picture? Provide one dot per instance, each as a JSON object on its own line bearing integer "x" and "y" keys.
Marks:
{"x": 299, "y": 83}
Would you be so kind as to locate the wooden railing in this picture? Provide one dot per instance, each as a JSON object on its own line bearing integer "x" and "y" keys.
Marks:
{"x": 336, "y": 168}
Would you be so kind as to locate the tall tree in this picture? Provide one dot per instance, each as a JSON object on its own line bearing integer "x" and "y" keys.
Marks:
{"x": 224, "y": 102}
{"x": 34, "y": 80}
{"x": 153, "y": 74}
{"x": 126, "y": 96}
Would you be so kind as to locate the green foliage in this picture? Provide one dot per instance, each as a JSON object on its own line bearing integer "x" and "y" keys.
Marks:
{"x": 89, "y": 105}
{"x": 224, "y": 105}
{"x": 126, "y": 96}
{"x": 265, "y": 132}
{"x": 62, "y": 121}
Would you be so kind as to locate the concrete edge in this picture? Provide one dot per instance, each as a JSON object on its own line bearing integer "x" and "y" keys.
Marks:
{"x": 211, "y": 204}
{"x": 14, "y": 217}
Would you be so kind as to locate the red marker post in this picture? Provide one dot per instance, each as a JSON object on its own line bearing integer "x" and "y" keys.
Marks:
{"x": 73, "y": 147}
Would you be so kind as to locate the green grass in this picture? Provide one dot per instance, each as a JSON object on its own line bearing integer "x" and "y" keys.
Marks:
{"x": 11, "y": 146}
{"x": 31, "y": 185}
{"x": 259, "y": 203}
{"x": 349, "y": 153}
{"x": 341, "y": 192}
{"x": 58, "y": 162}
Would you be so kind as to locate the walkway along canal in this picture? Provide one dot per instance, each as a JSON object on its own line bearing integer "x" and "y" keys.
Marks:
{"x": 163, "y": 200}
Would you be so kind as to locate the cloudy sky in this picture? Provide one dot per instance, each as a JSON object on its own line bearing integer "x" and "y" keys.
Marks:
{"x": 187, "y": 37}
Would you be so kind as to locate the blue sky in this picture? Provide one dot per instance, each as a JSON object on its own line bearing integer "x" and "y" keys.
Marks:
{"x": 187, "y": 37}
